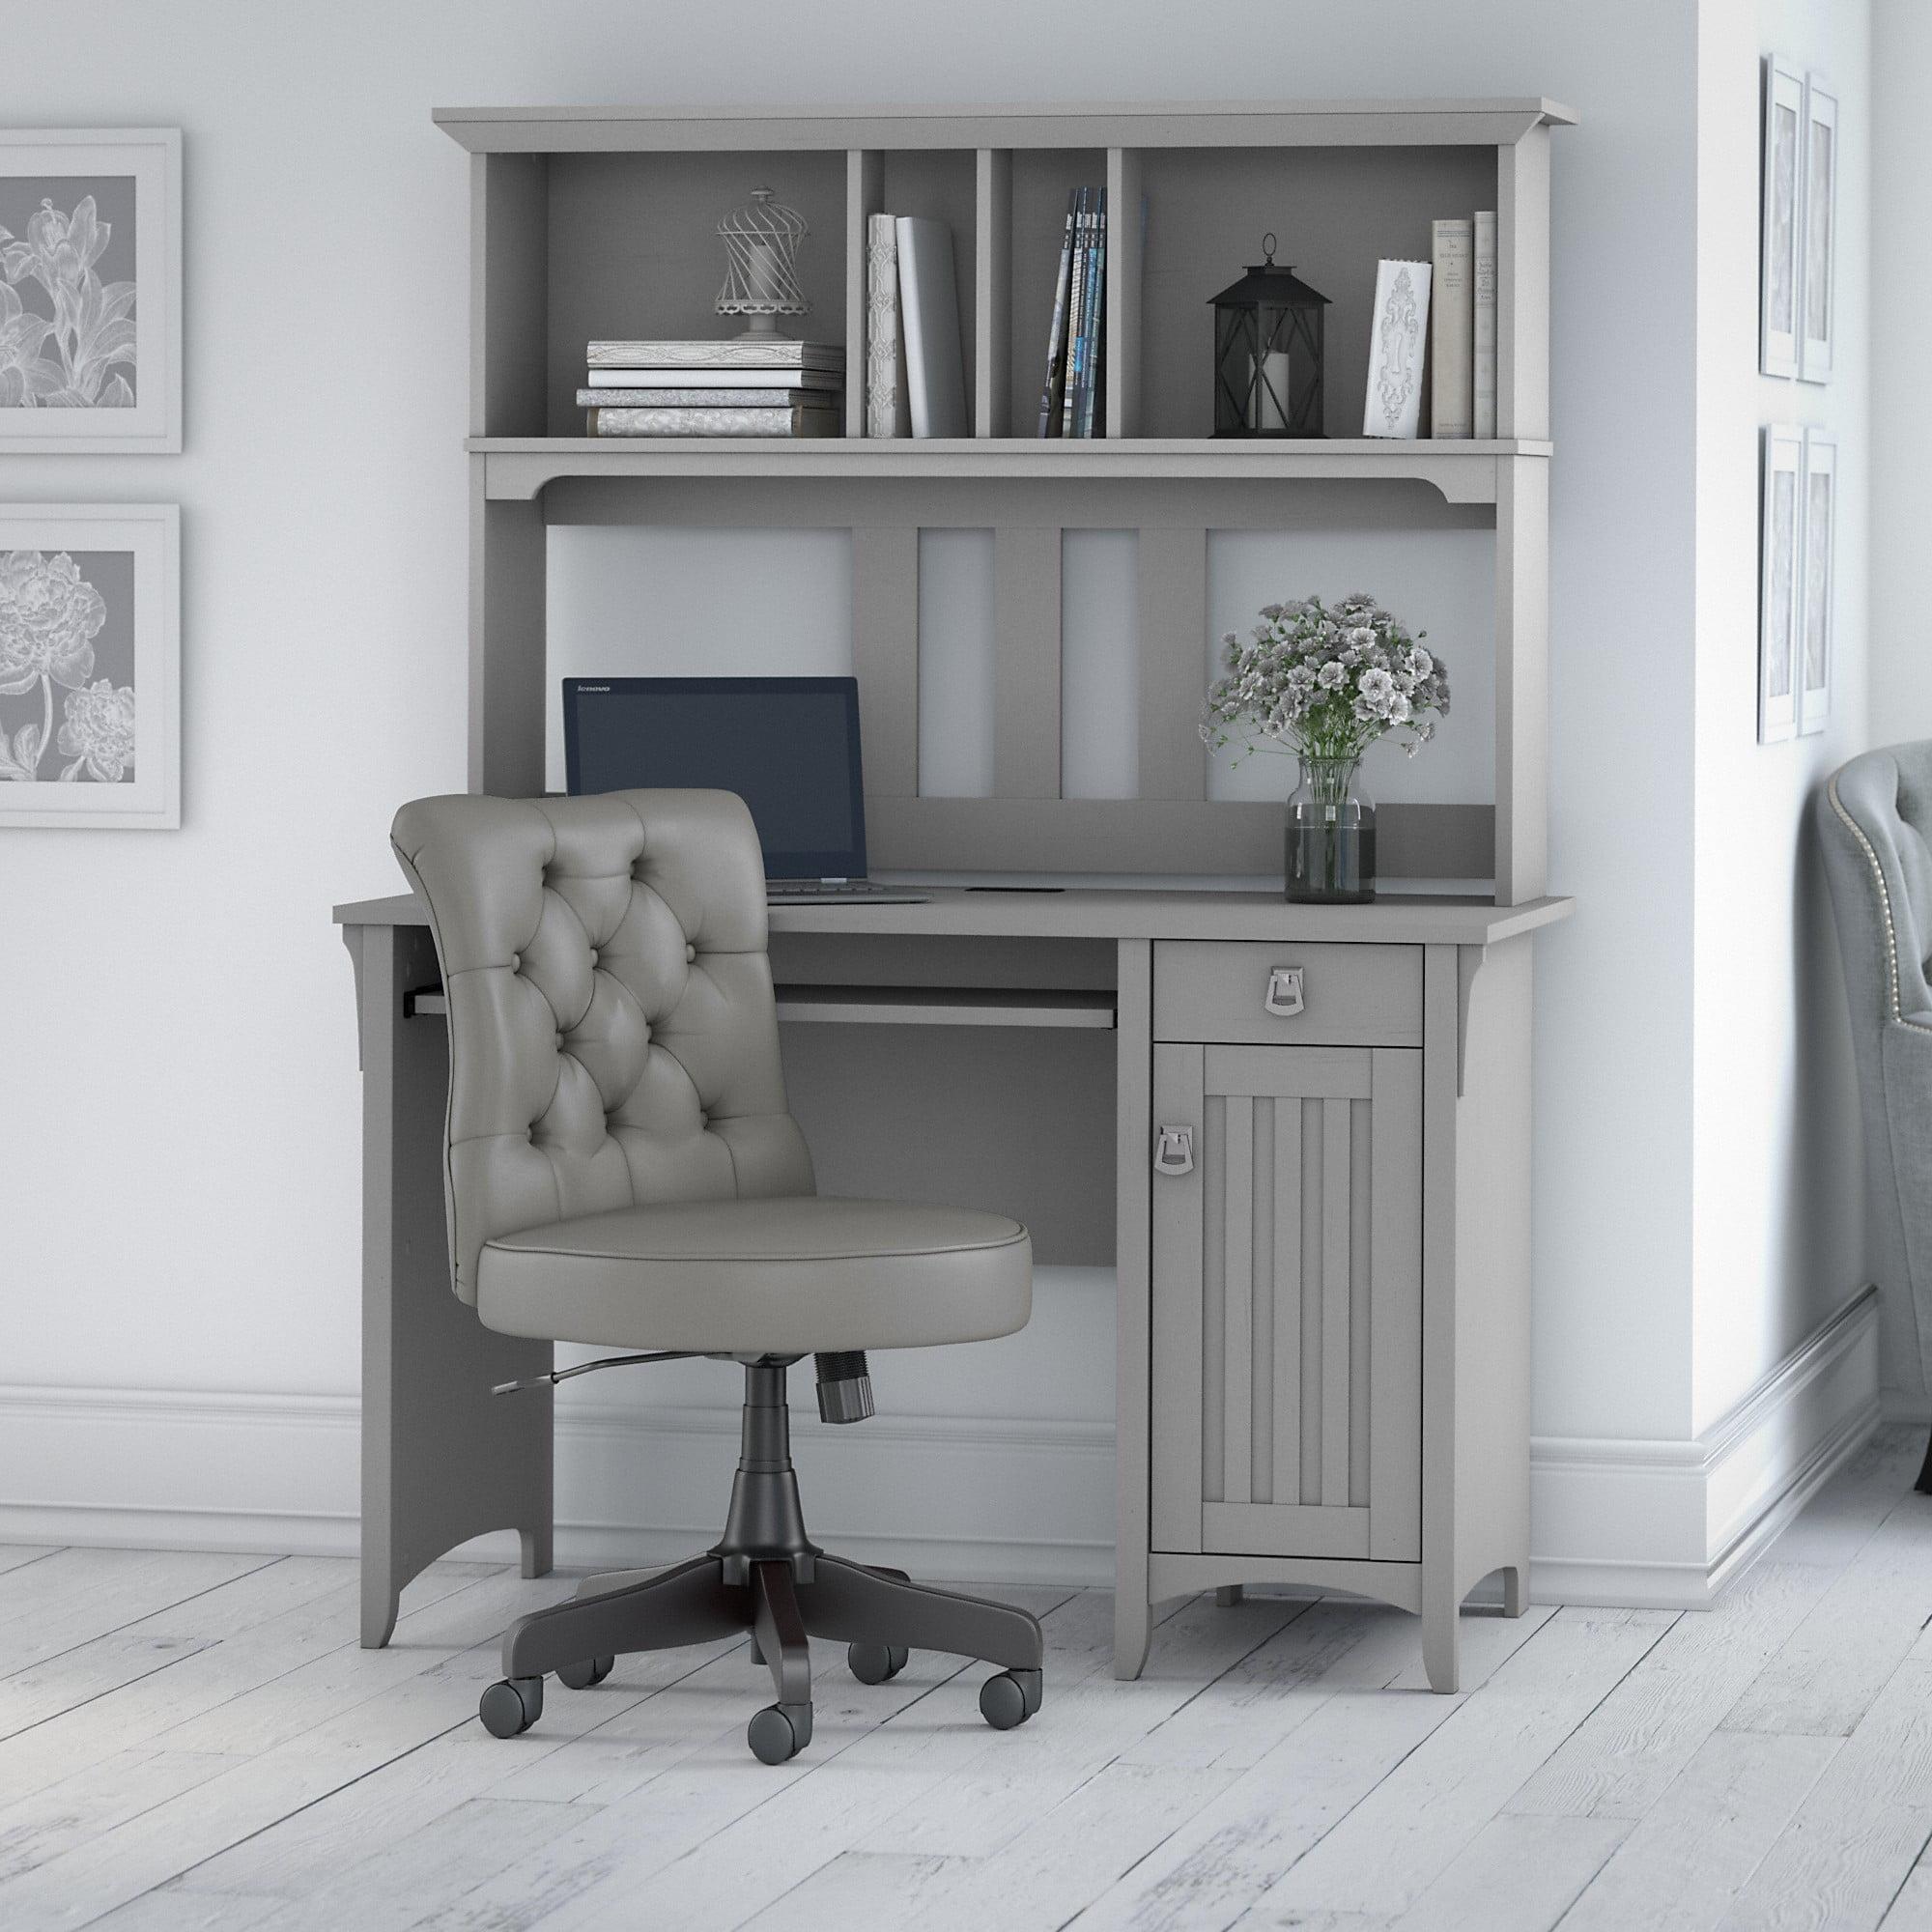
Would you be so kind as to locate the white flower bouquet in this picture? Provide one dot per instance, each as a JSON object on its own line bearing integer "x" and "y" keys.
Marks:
{"x": 1325, "y": 684}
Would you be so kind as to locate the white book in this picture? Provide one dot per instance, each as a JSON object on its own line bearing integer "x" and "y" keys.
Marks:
{"x": 714, "y": 422}
{"x": 1394, "y": 405}
{"x": 778, "y": 376}
{"x": 741, "y": 352}
{"x": 886, "y": 409}
{"x": 929, "y": 313}
{"x": 1451, "y": 329}
{"x": 780, "y": 398}
{"x": 1484, "y": 334}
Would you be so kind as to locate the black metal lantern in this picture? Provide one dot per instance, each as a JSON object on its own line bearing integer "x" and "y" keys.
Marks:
{"x": 1268, "y": 353}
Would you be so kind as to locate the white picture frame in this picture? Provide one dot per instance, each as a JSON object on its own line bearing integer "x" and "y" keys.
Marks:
{"x": 1817, "y": 580}
{"x": 1816, "y": 281}
{"x": 90, "y": 665}
{"x": 1782, "y": 217}
{"x": 120, "y": 188}
{"x": 1780, "y": 548}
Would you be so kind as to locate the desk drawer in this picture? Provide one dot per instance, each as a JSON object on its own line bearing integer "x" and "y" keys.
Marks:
{"x": 1348, "y": 995}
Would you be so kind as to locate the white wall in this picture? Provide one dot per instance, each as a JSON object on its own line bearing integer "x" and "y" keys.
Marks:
{"x": 1777, "y": 1241}
{"x": 1902, "y": 489}
{"x": 180, "y": 1197}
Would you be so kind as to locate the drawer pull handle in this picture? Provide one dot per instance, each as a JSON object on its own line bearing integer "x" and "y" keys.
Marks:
{"x": 1283, "y": 998}
{"x": 1173, "y": 1150}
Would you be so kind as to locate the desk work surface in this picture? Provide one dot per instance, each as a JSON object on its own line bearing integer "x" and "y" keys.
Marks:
{"x": 1089, "y": 913}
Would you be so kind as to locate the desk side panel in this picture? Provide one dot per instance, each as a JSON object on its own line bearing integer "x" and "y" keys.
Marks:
{"x": 1493, "y": 1271}
{"x": 443, "y": 1458}
{"x": 1132, "y": 1261}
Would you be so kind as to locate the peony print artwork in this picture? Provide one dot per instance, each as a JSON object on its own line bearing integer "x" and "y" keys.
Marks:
{"x": 66, "y": 666}
{"x": 67, "y": 293}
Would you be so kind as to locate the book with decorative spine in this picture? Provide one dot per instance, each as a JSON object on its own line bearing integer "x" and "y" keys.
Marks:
{"x": 813, "y": 420}
{"x": 1451, "y": 327}
{"x": 771, "y": 352}
{"x": 1482, "y": 337}
{"x": 1053, "y": 390}
{"x": 886, "y": 406}
{"x": 1396, "y": 334}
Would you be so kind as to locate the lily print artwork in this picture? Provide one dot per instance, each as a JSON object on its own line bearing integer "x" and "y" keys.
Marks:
{"x": 66, "y": 666}
{"x": 67, "y": 334}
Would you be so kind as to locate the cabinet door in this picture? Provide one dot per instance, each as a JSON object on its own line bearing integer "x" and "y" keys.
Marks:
{"x": 1286, "y": 1347}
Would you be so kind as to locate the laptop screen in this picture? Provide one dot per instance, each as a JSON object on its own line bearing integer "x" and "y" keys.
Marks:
{"x": 788, "y": 745}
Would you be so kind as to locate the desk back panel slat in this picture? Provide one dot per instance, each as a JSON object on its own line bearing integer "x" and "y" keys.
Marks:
{"x": 1026, "y": 662}
{"x": 1171, "y": 598}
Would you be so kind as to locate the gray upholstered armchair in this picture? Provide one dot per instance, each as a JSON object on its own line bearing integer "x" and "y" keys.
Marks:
{"x": 1874, "y": 818}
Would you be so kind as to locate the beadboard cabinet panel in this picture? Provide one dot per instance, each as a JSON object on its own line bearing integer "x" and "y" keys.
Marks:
{"x": 1287, "y": 1302}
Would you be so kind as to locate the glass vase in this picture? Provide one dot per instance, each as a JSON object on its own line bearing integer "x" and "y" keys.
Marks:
{"x": 1331, "y": 836}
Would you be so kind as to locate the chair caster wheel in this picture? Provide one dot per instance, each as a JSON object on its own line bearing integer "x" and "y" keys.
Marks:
{"x": 1010, "y": 1698}
{"x": 511, "y": 1706}
{"x": 582, "y": 1676}
{"x": 875, "y": 1663}
{"x": 779, "y": 1732}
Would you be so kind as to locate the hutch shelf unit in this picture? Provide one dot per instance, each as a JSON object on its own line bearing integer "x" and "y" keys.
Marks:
{"x": 601, "y": 223}
{"x": 1298, "y": 1134}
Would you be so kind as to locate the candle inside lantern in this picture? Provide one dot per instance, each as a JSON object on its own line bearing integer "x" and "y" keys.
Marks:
{"x": 1268, "y": 395}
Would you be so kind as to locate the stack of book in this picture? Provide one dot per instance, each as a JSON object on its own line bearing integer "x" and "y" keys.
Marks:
{"x": 750, "y": 386}
{"x": 915, "y": 367}
{"x": 1463, "y": 327}
{"x": 1073, "y": 398}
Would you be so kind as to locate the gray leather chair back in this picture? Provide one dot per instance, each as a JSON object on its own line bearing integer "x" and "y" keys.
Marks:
{"x": 1874, "y": 818}
{"x": 613, "y": 1034}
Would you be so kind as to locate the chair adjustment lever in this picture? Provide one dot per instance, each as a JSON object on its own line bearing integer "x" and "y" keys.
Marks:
{"x": 556, "y": 1376}
{"x": 844, "y": 1387}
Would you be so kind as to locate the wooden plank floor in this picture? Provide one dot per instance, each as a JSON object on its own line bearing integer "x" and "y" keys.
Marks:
{"x": 193, "y": 1744}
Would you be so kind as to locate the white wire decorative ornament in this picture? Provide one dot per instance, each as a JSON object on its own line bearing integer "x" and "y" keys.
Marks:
{"x": 761, "y": 248}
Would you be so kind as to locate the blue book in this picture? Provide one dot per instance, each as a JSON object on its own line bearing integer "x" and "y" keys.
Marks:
{"x": 1076, "y": 334}
{"x": 1092, "y": 401}
{"x": 1052, "y": 393}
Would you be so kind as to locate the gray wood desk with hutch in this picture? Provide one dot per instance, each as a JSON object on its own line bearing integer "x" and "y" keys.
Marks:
{"x": 1300, "y": 1134}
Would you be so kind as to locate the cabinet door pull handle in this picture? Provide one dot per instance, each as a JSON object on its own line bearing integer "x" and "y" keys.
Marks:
{"x": 1283, "y": 998}
{"x": 1173, "y": 1150}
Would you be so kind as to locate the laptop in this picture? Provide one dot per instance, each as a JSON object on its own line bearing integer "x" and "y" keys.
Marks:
{"x": 788, "y": 745}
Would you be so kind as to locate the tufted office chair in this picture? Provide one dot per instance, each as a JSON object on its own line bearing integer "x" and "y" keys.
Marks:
{"x": 1874, "y": 819}
{"x": 620, "y": 1170}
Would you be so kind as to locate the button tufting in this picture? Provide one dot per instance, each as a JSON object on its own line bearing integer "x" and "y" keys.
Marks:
{"x": 515, "y": 962}
{"x": 690, "y": 954}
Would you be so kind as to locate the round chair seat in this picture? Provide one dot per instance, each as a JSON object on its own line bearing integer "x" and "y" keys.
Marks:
{"x": 790, "y": 1274}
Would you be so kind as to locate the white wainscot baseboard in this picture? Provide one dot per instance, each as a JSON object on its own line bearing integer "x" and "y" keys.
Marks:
{"x": 991, "y": 1498}
{"x": 1662, "y": 1524}
{"x": 998, "y": 1500}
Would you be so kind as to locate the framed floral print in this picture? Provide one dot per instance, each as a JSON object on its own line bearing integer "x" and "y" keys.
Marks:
{"x": 1819, "y": 515}
{"x": 1821, "y": 168}
{"x": 1782, "y": 219}
{"x": 1780, "y": 566}
{"x": 90, "y": 665}
{"x": 90, "y": 291}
